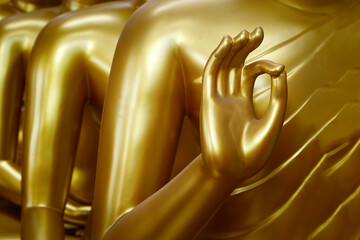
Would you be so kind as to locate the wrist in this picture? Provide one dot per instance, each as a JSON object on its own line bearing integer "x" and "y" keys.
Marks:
{"x": 41, "y": 223}
{"x": 217, "y": 179}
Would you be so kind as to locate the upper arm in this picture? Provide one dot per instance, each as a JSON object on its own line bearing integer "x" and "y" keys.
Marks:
{"x": 141, "y": 122}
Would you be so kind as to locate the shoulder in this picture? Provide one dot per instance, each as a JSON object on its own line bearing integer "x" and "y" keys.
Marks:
{"x": 32, "y": 21}
{"x": 98, "y": 16}
{"x": 158, "y": 21}
{"x": 165, "y": 14}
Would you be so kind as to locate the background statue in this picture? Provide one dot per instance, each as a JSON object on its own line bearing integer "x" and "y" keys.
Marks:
{"x": 68, "y": 72}
{"x": 17, "y": 36}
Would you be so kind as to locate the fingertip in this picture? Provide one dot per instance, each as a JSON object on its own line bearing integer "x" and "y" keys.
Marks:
{"x": 259, "y": 28}
{"x": 255, "y": 39}
{"x": 274, "y": 69}
{"x": 281, "y": 83}
{"x": 241, "y": 39}
{"x": 258, "y": 33}
{"x": 278, "y": 69}
{"x": 223, "y": 47}
{"x": 242, "y": 36}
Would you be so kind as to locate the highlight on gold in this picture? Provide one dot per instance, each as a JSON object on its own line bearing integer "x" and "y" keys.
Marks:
{"x": 174, "y": 119}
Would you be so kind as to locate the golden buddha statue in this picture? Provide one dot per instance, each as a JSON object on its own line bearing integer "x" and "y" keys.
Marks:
{"x": 67, "y": 77}
{"x": 17, "y": 36}
{"x": 309, "y": 186}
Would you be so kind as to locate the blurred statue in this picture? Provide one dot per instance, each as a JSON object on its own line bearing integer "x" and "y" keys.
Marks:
{"x": 308, "y": 188}
{"x": 11, "y": 7}
{"x": 17, "y": 36}
{"x": 8, "y": 135}
{"x": 67, "y": 78}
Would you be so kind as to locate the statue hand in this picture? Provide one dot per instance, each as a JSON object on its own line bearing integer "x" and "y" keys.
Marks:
{"x": 235, "y": 144}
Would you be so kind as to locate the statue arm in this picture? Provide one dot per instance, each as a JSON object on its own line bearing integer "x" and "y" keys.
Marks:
{"x": 56, "y": 95}
{"x": 179, "y": 210}
{"x": 11, "y": 88}
{"x": 141, "y": 122}
{"x": 12, "y": 79}
{"x": 140, "y": 128}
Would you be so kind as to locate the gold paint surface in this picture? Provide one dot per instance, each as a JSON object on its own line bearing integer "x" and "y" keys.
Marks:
{"x": 17, "y": 37}
{"x": 303, "y": 186}
{"x": 279, "y": 148}
{"x": 67, "y": 77}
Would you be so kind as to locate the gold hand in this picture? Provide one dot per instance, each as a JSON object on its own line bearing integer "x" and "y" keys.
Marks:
{"x": 235, "y": 144}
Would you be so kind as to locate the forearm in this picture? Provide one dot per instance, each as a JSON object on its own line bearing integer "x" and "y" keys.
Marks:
{"x": 11, "y": 92}
{"x": 179, "y": 210}
{"x": 54, "y": 107}
{"x": 11, "y": 95}
{"x": 55, "y": 97}
{"x": 50, "y": 220}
